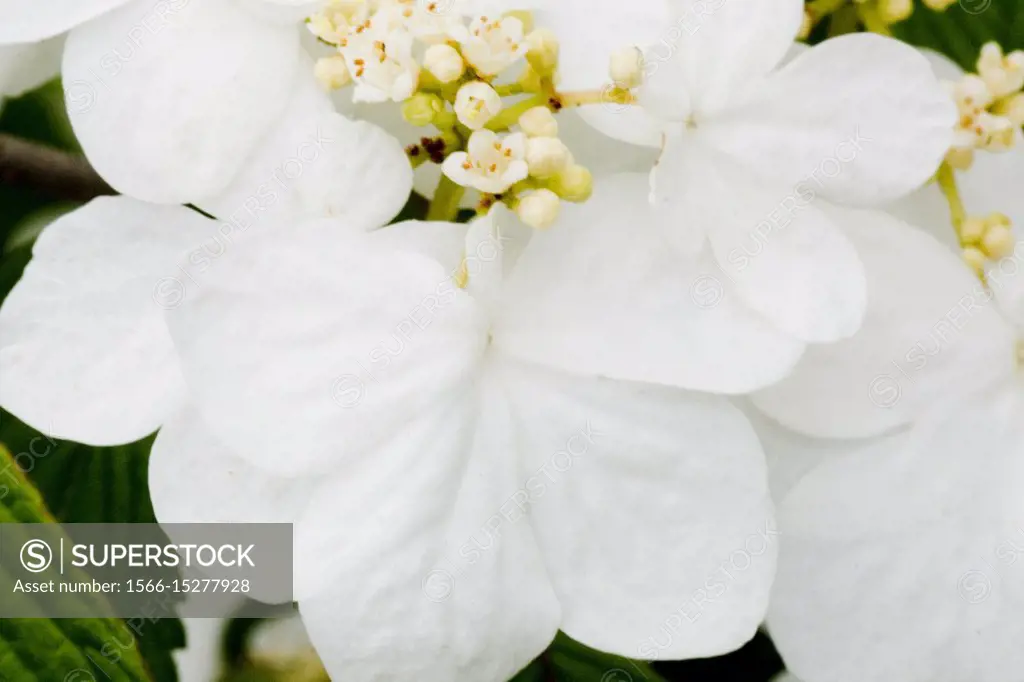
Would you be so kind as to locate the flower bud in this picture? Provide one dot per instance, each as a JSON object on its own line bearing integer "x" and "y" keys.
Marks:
{"x": 960, "y": 158}
{"x": 998, "y": 241}
{"x": 477, "y": 103}
{"x": 627, "y": 68}
{"x": 332, "y": 72}
{"x": 546, "y": 156}
{"x": 975, "y": 259}
{"x": 972, "y": 230}
{"x": 1011, "y": 108}
{"x": 893, "y": 11}
{"x": 444, "y": 62}
{"x": 574, "y": 184}
{"x": 543, "y": 51}
{"x": 422, "y": 108}
{"x": 539, "y": 122}
{"x": 539, "y": 208}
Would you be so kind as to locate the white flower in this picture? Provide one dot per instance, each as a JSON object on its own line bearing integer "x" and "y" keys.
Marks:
{"x": 747, "y": 148}
{"x": 125, "y": 251}
{"x": 546, "y": 156}
{"x": 165, "y": 99}
{"x": 1004, "y": 75}
{"x": 26, "y": 67}
{"x": 539, "y": 208}
{"x": 903, "y": 538}
{"x": 920, "y": 524}
{"x": 491, "y": 163}
{"x": 332, "y": 72}
{"x": 341, "y": 381}
{"x": 627, "y": 67}
{"x": 476, "y": 103}
{"x": 539, "y": 122}
{"x": 381, "y": 62}
{"x": 494, "y": 44}
{"x": 444, "y": 62}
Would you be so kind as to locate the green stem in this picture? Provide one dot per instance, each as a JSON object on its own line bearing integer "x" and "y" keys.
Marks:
{"x": 510, "y": 89}
{"x": 844, "y": 20}
{"x": 947, "y": 182}
{"x": 447, "y": 198}
{"x": 822, "y": 8}
{"x": 872, "y": 19}
{"x": 509, "y": 117}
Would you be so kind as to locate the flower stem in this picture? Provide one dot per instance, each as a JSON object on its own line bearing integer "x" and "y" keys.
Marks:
{"x": 872, "y": 19}
{"x": 823, "y": 8}
{"x": 509, "y": 117}
{"x": 510, "y": 89}
{"x": 946, "y": 178}
{"x": 584, "y": 97}
{"x": 447, "y": 198}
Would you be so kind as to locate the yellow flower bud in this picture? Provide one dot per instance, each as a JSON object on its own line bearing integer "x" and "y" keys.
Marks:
{"x": 574, "y": 184}
{"x": 539, "y": 208}
{"x": 422, "y": 108}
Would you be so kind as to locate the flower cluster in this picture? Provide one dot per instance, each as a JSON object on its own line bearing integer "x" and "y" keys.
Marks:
{"x": 991, "y": 106}
{"x": 682, "y": 300}
{"x": 455, "y": 73}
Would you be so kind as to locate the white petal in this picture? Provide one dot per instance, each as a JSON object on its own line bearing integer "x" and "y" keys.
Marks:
{"x": 195, "y": 478}
{"x": 783, "y": 254}
{"x": 283, "y": 11}
{"x": 168, "y": 107}
{"x": 723, "y": 44}
{"x": 898, "y": 563}
{"x": 437, "y": 575}
{"x": 29, "y": 22}
{"x": 26, "y": 67}
{"x": 334, "y": 338}
{"x": 859, "y": 119}
{"x": 792, "y": 456}
{"x": 652, "y": 509}
{"x": 85, "y": 354}
{"x": 589, "y": 31}
{"x": 929, "y": 325}
{"x": 602, "y": 294}
{"x": 319, "y": 164}
{"x": 598, "y": 153}
{"x": 438, "y": 241}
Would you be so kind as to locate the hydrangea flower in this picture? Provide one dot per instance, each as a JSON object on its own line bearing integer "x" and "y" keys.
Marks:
{"x": 344, "y": 382}
{"x": 857, "y": 120}
{"x": 898, "y": 471}
{"x": 166, "y": 102}
{"x": 899, "y": 551}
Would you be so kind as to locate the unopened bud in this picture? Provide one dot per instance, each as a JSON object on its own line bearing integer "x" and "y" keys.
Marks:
{"x": 444, "y": 62}
{"x": 627, "y": 68}
{"x": 332, "y": 73}
{"x": 574, "y": 184}
{"x": 539, "y": 122}
{"x": 539, "y": 208}
{"x": 546, "y": 156}
{"x": 422, "y": 108}
{"x": 998, "y": 241}
{"x": 543, "y": 51}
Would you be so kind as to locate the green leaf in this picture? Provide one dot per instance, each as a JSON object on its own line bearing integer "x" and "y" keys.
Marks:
{"x": 961, "y": 30}
{"x": 566, "y": 660}
{"x": 45, "y": 650}
{"x": 84, "y": 484}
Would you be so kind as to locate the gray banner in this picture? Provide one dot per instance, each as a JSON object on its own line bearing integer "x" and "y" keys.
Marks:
{"x": 85, "y": 570}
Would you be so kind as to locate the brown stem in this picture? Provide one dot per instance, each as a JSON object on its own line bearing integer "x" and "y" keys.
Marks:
{"x": 51, "y": 172}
